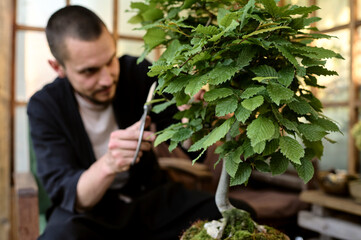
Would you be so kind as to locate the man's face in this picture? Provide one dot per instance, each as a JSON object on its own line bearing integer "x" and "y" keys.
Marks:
{"x": 92, "y": 67}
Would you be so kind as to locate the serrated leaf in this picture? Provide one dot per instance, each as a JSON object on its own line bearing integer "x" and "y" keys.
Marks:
{"x": 271, "y": 147}
{"x": 286, "y": 76}
{"x": 196, "y": 82}
{"x": 278, "y": 164}
{"x": 286, "y": 53}
{"x": 177, "y": 84}
{"x": 264, "y": 31}
{"x": 300, "y": 10}
{"x": 218, "y": 133}
{"x": 188, "y": 4}
{"x": 234, "y": 131}
{"x": 141, "y": 6}
{"x": 316, "y": 147}
{"x": 252, "y": 103}
{"x": 315, "y": 52}
{"x": 259, "y": 147}
{"x": 161, "y": 107}
{"x": 236, "y": 154}
{"x": 270, "y": 7}
{"x": 231, "y": 167}
{"x": 312, "y": 132}
{"x": 262, "y": 166}
{"x": 262, "y": 79}
{"x": 158, "y": 69}
{"x": 226, "y": 105}
{"x": 320, "y": 71}
{"x": 265, "y": 71}
{"x": 182, "y": 134}
{"x": 242, "y": 114}
{"x": 300, "y": 106}
{"x": 278, "y": 92}
{"x": 242, "y": 175}
{"x": 198, "y": 145}
{"x": 228, "y": 19}
{"x": 221, "y": 73}
{"x": 261, "y": 129}
{"x": 251, "y": 91}
{"x": 171, "y": 51}
{"x": 166, "y": 135}
{"x": 136, "y": 19}
{"x": 327, "y": 124}
{"x": 305, "y": 170}
{"x": 248, "y": 149}
{"x": 207, "y": 30}
{"x": 154, "y": 37}
{"x": 217, "y": 93}
{"x": 247, "y": 8}
{"x": 291, "y": 149}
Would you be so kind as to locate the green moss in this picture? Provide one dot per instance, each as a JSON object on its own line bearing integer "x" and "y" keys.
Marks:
{"x": 239, "y": 226}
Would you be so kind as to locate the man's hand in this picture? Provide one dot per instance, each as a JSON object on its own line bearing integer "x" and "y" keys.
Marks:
{"x": 122, "y": 146}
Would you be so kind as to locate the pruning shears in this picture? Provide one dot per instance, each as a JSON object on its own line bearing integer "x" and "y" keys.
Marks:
{"x": 147, "y": 107}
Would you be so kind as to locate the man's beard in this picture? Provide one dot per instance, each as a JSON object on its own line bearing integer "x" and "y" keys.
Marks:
{"x": 92, "y": 98}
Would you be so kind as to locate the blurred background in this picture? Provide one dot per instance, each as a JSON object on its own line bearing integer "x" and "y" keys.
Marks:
{"x": 24, "y": 69}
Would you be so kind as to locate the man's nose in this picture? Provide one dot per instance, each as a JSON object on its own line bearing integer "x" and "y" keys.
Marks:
{"x": 106, "y": 78}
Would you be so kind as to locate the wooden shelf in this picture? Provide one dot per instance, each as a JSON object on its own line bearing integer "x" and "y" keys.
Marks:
{"x": 344, "y": 204}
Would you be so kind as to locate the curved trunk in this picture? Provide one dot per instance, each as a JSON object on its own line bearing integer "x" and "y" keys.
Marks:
{"x": 222, "y": 199}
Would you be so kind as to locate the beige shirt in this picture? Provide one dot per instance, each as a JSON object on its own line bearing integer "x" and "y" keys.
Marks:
{"x": 99, "y": 122}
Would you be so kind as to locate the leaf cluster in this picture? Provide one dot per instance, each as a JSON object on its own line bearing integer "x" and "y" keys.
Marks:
{"x": 257, "y": 64}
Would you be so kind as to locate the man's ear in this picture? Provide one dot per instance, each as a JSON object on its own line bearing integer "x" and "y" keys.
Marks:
{"x": 57, "y": 67}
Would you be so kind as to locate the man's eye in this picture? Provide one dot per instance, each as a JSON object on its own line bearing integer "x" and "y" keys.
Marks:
{"x": 89, "y": 71}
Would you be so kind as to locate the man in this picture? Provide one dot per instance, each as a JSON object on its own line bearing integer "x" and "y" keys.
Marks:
{"x": 84, "y": 128}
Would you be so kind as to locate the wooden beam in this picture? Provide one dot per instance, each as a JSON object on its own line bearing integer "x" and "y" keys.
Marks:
{"x": 6, "y": 16}
{"x": 353, "y": 152}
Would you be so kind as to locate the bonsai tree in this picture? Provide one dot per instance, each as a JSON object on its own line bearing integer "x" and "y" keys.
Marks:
{"x": 257, "y": 64}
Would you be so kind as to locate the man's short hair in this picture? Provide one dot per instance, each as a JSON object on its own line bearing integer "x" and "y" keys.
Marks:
{"x": 75, "y": 22}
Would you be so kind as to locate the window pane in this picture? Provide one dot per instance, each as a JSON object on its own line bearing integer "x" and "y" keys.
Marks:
{"x": 104, "y": 9}
{"x": 336, "y": 86}
{"x": 124, "y": 12}
{"x": 21, "y": 142}
{"x": 133, "y": 48}
{"x": 333, "y": 13}
{"x": 32, "y": 69}
{"x": 36, "y": 12}
{"x": 335, "y": 155}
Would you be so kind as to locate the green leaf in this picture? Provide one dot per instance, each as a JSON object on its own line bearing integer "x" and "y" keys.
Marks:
{"x": 315, "y": 52}
{"x": 135, "y": 19}
{"x": 167, "y": 134}
{"x": 278, "y": 164}
{"x": 231, "y": 167}
{"x": 198, "y": 145}
{"x": 207, "y": 30}
{"x": 270, "y": 7}
{"x": 248, "y": 149}
{"x": 261, "y": 129}
{"x": 182, "y": 134}
{"x": 259, "y": 147}
{"x": 158, "y": 69}
{"x": 234, "y": 131}
{"x": 286, "y": 53}
{"x": 300, "y": 106}
{"x": 265, "y": 71}
{"x": 152, "y": 14}
{"x": 264, "y": 31}
{"x": 327, "y": 124}
{"x": 177, "y": 84}
{"x": 236, "y": 155}
{"x": 312, "y": 132}
{"x": 286, "y": 76}
{"x": 262, "y": 166}
{"x": 247, "y": 8}
{"x": 305, "y": 170}
{"x": 161, "y": 107}
{"x": 291, "y": 149}
{"x": 226, "y": 105}
{"x": 320, "y": 71}
{"x": 242, "y": 175}
{"x": 171, "y": 52}
{"x": 290, "y": 125}
{"x": 141, "y": 6}
{"x": 252, "y": 103}
{"x": 316, "y": 147}
{"x": 195, "y": 84}
{"x": 278, "y": 92}
{"x": 188, "y": 4}
{"x": 271, "y": 147}
{"x": 218, "y": 133}
{"x": 300, "y": 10}
{"x": 251, "y": 91}
{"x": 221, "y": 73}
{"x": 154, "y": 37}
{"x": 242, "y": 114}
{"x": 217, "y": 93}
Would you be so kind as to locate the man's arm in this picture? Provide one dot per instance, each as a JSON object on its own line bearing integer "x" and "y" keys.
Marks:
{"x": 95, "y": 181}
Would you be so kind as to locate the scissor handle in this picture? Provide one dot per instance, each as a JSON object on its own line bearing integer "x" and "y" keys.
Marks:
{"x": 141, "y": 132}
